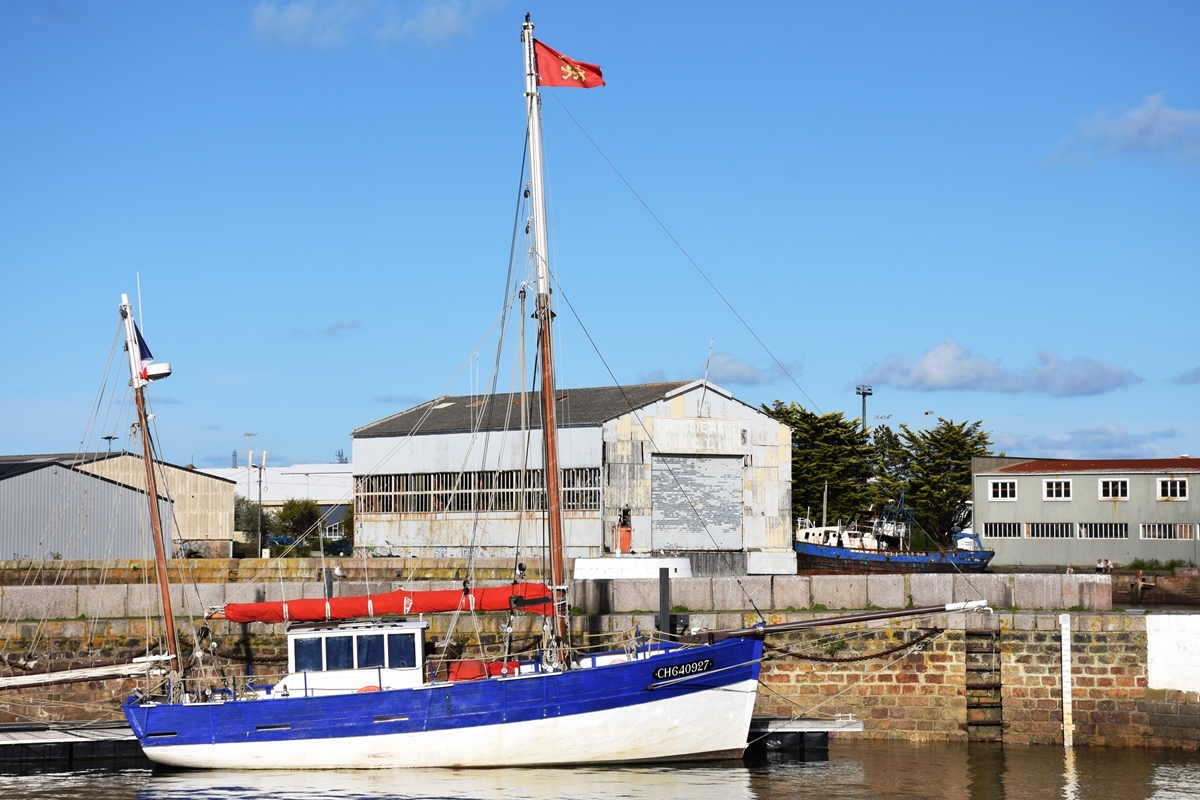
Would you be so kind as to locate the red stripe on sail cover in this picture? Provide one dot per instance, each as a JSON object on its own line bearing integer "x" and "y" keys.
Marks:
{"x": 497, "y": 598}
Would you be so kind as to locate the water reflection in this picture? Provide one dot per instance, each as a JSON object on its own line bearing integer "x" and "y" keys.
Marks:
{"x": 729, "y": 782}
{"x": 879, "y": 769}
{"x": 860, "y": 770}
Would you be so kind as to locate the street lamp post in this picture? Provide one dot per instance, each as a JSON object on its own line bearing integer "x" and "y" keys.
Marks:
{"x": 261, "y": 467}
{"x": 249, "y": 463}
{"x": 863, "y": 391}
{"x": 928, "y": 414}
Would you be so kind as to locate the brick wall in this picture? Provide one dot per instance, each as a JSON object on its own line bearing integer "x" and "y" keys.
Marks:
{"x": 916, "y": 693}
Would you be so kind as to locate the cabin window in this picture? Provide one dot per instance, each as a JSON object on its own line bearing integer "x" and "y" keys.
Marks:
{"x": 339, "y": 652}
{"x": 370, "y": 651}
{"x": 402, "y": 650}
{"x": 308, "y": 654}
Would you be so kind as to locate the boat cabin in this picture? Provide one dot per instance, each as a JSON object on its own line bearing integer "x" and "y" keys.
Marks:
{"x": 353, "y": 656}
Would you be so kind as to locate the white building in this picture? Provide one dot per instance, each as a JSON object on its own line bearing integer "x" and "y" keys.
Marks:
{"x": 677, "y": 468}
{"x": 330, "y": 486}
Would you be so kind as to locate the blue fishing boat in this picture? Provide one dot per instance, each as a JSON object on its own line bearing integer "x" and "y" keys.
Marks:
{"x": 882, "y": 545}
{"x": 361, "y": 690}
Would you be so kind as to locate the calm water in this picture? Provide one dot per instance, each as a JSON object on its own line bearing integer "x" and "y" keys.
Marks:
{"x": 855, "y": 771}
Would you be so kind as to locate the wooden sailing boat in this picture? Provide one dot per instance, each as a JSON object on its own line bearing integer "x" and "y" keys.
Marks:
{"x": 358, "y": 693}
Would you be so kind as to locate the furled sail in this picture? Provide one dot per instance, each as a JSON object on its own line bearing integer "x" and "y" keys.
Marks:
{"x": 531, "y": 597}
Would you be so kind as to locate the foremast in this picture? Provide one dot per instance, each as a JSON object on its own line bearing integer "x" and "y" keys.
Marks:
{"x": 545, "y": 316}
{"x": 139, "y": 357}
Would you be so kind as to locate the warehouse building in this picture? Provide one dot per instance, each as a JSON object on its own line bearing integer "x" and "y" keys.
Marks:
{"x": 664, "y": 468}
{"x": 1054, "y": 511}
{"x": 93, "y": 505}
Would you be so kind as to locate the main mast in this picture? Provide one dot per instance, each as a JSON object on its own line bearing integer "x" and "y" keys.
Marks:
{"x": 533, "y": 111}
{"x": 138, "y": 380}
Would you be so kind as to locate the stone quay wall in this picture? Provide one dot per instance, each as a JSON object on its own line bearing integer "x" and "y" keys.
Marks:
{"x": 915, "y": 679}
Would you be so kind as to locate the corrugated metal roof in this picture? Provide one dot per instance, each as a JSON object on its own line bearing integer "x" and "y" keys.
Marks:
{"x": 1060, "y": 466}
{"x": 576, "y": 408}
{"x": 13, "y": 465}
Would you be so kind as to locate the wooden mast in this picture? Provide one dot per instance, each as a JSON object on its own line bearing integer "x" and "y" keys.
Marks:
{"x": 545, "y": 317}
{"x": 138, "y": 380}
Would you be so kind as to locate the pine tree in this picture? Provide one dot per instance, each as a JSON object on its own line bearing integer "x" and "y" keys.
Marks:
{"x": 939, "y": 482}
{"x": 826, "y": 448}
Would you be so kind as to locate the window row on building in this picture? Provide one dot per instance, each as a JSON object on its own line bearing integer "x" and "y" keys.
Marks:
{"x": 505, "y": 490}
{"x": 1088, "y": 530}
{"x": 1107, "y": 489}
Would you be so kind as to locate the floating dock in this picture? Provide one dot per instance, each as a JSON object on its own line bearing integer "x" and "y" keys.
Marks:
{"x": 64, "y": 747}
{"x": 803, "y": 738}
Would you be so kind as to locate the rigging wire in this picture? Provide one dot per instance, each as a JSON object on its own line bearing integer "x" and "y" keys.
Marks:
{"x": 783, "y": 369}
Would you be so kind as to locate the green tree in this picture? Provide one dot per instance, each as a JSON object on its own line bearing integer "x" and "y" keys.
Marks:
{"x": 826, "y": 448}
{"x": 348, "y": 524}
{"x": 938, "y": 488}
{"x": 891, "y": 466}
{"x": 299, "y": 519}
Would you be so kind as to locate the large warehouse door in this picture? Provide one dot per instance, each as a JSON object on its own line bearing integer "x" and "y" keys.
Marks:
{"x": 696, "y": 503}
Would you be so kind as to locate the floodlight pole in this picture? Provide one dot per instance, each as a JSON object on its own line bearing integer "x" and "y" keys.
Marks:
{"x": 863, "y": 391}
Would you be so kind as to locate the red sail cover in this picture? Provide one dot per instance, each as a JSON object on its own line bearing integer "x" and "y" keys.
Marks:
{"x": 555, "y": 69}
{"x": 498, "y": 598}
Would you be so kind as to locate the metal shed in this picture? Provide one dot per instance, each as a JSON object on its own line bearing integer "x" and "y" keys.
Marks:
{"x": 663, "y": 467}
{"x": 50, "y": 511}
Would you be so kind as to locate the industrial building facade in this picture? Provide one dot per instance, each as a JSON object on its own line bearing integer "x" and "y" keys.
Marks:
{"x": 1053, "y": 511}
{"x": 93, "y": 506}
{"x": 667, "y": 467}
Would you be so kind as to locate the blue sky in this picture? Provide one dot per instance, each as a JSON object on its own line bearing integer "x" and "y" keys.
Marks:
{"x": 987, "y": 212}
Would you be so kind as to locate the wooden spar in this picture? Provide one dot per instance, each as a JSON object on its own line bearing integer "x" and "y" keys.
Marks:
{"x": 545, "y": 317}
{"x": 708, "y": 637}
{"x": 160, "y": 553}
{"x": 138, "y": 380}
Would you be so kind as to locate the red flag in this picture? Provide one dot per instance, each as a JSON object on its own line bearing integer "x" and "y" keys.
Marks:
{"x": 555, "y": 69}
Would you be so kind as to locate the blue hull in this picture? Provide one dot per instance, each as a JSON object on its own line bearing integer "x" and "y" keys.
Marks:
{"x": 845, "y": 560}
{"x": 245, "y": 733}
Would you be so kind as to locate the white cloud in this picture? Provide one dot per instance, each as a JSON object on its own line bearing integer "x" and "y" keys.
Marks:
{"x": 1107, "y": 441}
{"x": 336, "y": 23}
{"x": 1153, "y": 128}
{"x": 949, "y": 366}
{"x": 726, "y": 368}
{"x": 1188, "y": 378}
{"x": 304, "y": 23}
